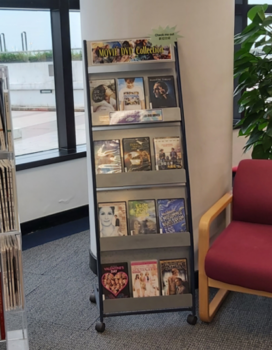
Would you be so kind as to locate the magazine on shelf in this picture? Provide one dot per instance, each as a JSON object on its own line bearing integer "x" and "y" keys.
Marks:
{"x": 174, "y": 276}
{"x": 145, "y": 278}
{"x": 11, "y": 262}
{"x": 103, "y": 99}
{"x": 107, "y": 157}
{"x": 162, "y": 92}
{"x": 135, "y": 117}
{"x": 8, "y": 122}
{"x": 142, "y": 217}
{"x": 137, "y": 154}
{"x": 112, "y": 219}
{"x": 115, "y": 281}
{"x": 168, "y": 154}
{"x": 131, "y": 94}
{"x": 171, "y": 214}
{"x": 3, "y": 128}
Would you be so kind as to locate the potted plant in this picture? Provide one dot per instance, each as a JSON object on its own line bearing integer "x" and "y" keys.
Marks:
{"x": 253, "y": 68}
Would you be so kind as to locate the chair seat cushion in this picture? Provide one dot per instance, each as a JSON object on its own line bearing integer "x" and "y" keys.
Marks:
{"x": 242, "y": 255}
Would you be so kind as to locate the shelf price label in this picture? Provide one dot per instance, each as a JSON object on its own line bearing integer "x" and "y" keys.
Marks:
{"x": 164, "y": 36}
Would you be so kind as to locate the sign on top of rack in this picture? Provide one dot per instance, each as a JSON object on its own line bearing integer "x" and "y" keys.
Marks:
{"x": 127, "y": 51}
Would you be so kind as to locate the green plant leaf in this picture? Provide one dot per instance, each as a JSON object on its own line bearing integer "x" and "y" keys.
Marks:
{"x": 258, "y": 10}
{"x": 267, "y": 21}
{"x": 251, "y": 120}
{"x": 267, "y": 142}
{"x": 269, "y": 129}
{"x": 259, "y": 153}
{"x": 267, "y": 49}
{"x": 254, "y": 137}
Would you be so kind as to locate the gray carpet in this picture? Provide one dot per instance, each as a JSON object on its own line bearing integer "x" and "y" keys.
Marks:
{"x": 58, "y": 283}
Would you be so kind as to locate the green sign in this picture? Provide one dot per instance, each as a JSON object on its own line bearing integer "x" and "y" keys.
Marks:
{"x": 164, "y": 36}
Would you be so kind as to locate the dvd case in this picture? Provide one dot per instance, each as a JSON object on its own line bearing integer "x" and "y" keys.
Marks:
{"x": 145, "y": 279}
{"x": 107, "y": 157}
{"x": 142, "y": 217}
{"x": 174, "y": 276}
{"x": 115, "y": 280}
{"x": 162, "y": 92}
{"x": 172, "y": 216}
{"x": 131, "y": 94}
{"x": 112, "y": 219}
{"x": 168, "y": 154}
{"x": 137, "y": 154}
{"x": 103, "y": 99}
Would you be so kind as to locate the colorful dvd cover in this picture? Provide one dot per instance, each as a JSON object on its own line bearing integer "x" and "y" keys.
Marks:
{"x": 174, "y": 277}
{"x": 107, "y": 157}
{"x": 172, "y": 216}
{"x": 145, "y": 279}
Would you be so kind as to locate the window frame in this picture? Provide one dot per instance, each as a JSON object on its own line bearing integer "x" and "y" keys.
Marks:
{"x": 60, "y": 25}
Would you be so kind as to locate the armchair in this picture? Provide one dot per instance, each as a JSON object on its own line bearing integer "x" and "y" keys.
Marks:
{"x": 240, "y": 259}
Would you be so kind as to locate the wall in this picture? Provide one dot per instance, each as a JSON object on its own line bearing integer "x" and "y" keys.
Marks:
{"x": 52, "y": 189}
{"x": 237, "y": 149}
{"x": 206, "y": 60}
{"x": 27, "y": 79}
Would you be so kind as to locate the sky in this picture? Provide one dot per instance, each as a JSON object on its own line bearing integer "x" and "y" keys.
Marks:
{"x": 37, "y": 25}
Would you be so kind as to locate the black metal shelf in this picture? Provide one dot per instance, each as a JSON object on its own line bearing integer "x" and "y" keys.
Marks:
{"x": 154, "y": 184}
{"x": 165, "y": 240}
{"x": 136, "y": 305}
{"x": 170, "y": 115}
{"x": 141, "y": 178}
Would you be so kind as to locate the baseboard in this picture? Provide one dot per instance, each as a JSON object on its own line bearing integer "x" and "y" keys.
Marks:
{"x": 55, "y": 219}
{"x": 93, "y": 267}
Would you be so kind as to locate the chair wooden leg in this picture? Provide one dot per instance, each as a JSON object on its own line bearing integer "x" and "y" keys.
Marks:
{"x": 207, "y": 310}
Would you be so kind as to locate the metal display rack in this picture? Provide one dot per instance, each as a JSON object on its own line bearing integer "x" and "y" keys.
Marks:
{"x": 152, "y": 184}
{"x": 14, "y": 315}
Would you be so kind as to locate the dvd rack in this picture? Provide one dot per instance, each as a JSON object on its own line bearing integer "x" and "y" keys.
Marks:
{"x": 13, "y": 322}
{"x": 140, "y": 185}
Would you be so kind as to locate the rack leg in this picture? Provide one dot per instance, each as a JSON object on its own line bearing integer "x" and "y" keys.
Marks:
{"x": 192, "y": 319}
{"x": 92, "y": 299}
{"x": 100, "y": 327}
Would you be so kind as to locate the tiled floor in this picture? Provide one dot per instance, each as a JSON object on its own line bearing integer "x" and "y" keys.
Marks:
{"x": 39, "y": 130}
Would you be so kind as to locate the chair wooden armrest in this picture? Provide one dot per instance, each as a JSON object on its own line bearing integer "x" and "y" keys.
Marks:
{"x": 206, "y": 310}
{"x": 211, "y": 214}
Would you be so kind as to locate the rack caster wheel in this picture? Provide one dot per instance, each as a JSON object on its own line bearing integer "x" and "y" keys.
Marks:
{"x": 100, "y": 327}
{"x": 191, "y": 319}
{"x": 92, "y": 298}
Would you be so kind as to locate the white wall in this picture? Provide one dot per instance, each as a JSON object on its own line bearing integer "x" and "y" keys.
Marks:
{"x": 27, "y": 79}
{"x": 206, "y": 61}
{"x": 237, "y": 148}
{"x": 52, "y": 189}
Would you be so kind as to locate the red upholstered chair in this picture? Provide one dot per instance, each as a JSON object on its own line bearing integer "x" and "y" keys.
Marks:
{"x": 240, "y": 259}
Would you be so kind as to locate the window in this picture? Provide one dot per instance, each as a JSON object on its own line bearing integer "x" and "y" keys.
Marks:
{"x": 27, "y": 52}
{"x": 38, "y": 31}
{"x": 77, "y": 69}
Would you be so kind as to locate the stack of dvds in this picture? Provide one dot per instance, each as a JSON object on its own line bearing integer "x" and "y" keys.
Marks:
{"x": 145, "y": 279}
{"x": 136, "y": 155}
{"x": 143, "y": 218}
{"x": 130, "y": 96}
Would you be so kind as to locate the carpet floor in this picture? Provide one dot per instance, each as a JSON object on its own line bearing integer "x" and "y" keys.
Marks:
{"x": 58, "y": 283}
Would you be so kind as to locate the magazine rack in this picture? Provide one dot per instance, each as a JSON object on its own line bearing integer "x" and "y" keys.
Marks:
{"x": 13, "y": 323}
{"x": 141, "y": 185}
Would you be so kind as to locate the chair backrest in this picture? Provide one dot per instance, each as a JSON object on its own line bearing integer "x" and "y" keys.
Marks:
{"x": 252, "y": 192}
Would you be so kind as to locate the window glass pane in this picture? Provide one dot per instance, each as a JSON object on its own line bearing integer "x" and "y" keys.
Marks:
{"x": 259, "y": 2}
{"x": 77, "y": 69}
{"x": 26, "y": 49}
{"x": 238, "y": 2}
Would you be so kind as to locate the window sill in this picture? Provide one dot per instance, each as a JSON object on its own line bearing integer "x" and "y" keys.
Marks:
{"x": 53, "y": 156}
